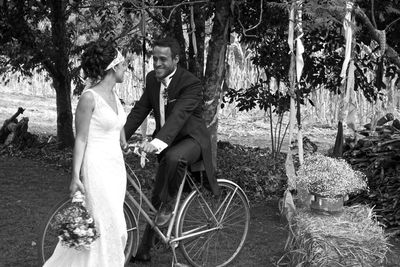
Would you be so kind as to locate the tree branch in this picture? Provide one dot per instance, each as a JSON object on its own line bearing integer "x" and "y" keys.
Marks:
{"x": 255, "y": 26}
{"x": 391, "y": 24}
{"x": 373, "y": 12}
{"x": 182, "y": 3}
{"x": 391, "y": 54}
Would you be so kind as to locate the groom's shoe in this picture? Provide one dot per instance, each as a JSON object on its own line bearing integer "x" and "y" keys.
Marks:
{"x": 163, "y": 215}
{"x": 162, "y": 218}
{"x": 143, "y": 252}
{"x": 141, "y": 256}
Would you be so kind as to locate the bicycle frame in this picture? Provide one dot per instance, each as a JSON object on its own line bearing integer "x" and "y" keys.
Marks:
{"x": 167, "y": 238}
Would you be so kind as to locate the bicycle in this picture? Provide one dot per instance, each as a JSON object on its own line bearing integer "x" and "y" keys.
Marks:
{"x": 210, "y": 230}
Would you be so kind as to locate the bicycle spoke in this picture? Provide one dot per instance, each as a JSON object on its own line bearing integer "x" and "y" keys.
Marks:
{"x": 189, "y": 242}
{"x": 229, "y": 212}
{"x": 222, "y": 204}
{"x": 233, "y": 221}
{"x": 236, "y": 212}
{"x": 199, "y": 251}
{"x": 227, "y": 206}
{"x": 49, "y": 237}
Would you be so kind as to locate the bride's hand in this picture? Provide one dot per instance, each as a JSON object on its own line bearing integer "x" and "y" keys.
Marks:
{"x": 76, "y": 185}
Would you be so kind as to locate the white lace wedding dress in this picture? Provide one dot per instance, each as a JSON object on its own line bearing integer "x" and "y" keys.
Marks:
{"x": 104, "y": 178}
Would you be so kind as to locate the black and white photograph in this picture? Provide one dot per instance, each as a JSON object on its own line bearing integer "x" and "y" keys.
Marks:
{"x": 199, "y": 133}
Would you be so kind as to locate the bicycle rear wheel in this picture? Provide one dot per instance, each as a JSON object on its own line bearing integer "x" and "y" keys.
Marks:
{"x": 228, "y": 214}
{"x": 49, "y": 237}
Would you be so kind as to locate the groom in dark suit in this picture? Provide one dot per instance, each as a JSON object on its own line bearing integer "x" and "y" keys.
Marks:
{"x": 181, "y": 137}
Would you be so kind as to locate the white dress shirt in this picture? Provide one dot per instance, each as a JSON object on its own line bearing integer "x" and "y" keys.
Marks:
{"x": 160, "y": 145}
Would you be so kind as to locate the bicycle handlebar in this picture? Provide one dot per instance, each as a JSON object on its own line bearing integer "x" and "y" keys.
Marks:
{"x": 135, "y": 145}
{"x": 135, "y": 148}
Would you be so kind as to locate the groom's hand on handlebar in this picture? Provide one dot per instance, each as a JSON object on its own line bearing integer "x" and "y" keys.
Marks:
{"x": 148, "y": 147}
{"x": 140, "y": 150}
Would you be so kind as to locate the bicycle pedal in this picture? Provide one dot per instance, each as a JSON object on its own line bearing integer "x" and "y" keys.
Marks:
{"x": 151, "y": 213}
{"x": 161, "y": 247}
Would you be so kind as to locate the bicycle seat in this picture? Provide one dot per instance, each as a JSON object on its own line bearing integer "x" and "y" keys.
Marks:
{"x": 197, "y": 166}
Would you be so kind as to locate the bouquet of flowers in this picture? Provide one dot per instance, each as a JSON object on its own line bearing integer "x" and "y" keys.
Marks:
{"x": 329, "y": 177}
{"x": 74, "y": 225}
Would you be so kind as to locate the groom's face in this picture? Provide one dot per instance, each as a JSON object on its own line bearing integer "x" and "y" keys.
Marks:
{"x": 163, "y": 62}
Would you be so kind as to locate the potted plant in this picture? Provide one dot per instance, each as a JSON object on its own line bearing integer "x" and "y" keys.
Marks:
{"x": 329, "y": 181}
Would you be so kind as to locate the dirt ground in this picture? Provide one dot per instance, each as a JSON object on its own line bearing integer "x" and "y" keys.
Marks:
{"x": 30, "y": 188}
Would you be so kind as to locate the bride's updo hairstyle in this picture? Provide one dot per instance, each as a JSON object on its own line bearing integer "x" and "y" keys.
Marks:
{"x": 96, "y": 58}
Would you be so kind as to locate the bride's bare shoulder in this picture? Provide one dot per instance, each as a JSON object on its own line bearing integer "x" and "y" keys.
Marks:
{"x": 87, "y": 99}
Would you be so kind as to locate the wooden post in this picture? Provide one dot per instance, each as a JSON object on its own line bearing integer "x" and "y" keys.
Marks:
{"x": 347, "y": 75}
{"x": 143, "y": 127}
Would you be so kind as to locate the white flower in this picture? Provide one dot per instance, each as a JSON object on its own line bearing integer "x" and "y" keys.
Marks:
{"x": 329, "y": 177}
{"x": 77, "y": 231}
{"x": 90, "y": 232}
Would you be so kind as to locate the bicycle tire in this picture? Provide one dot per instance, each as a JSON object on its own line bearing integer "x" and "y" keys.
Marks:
{"x": 48, "y": 237}
{"x": 219, "y": 247}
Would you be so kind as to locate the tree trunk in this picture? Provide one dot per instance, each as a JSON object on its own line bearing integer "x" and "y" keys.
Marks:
{"x": 391, "y": 94}
{"x": 64, "y": 114}
{"x": 196, "y": 62}
{"x": 289, "y": 166}
{"x": 215, "y": 68}
{"x": 60, "y": 74}
{"x": 344, "y": 110}
{"x": 173, "y": 28}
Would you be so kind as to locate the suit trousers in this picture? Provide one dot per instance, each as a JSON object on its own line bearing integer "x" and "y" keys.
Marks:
{"x": 172, "y": 165}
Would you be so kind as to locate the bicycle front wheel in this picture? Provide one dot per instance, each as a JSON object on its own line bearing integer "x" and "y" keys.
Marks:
{"x": 215, "y": 227}
{"x": 49, "y": 237}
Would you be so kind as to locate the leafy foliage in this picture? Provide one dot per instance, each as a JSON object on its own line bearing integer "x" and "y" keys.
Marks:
{"x": 322, "y": 59}
{"x": 26, "y": 26}
{"x": 324, "y": 43}
{"x": 261, "y": 176}
{"x": 259, "y": 95}
{"x": 254, "y": 169}
{"x": 385, "y": 14}
{"x": 50, "y": 35}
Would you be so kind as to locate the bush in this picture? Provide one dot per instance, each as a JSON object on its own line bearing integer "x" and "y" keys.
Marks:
{"x": 253, "y": 169}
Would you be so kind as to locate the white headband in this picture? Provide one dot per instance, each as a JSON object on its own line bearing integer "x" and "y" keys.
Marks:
{"x": 120, "y": 58}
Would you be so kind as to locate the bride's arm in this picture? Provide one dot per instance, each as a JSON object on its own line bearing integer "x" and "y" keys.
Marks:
{"x": 83, "y": 115}
{"x": 122, "y": 140}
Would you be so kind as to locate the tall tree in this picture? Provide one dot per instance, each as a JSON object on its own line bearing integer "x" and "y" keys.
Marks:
{"x": 34, "y": 34}
{"x": 170, "y": 21}
{"x": 173, "y": 27}
{"x": 197, "y": 16}
{"x": 215, "y": 66}
{"x": 59, "y": 71}
{"x": 48, "y": 35}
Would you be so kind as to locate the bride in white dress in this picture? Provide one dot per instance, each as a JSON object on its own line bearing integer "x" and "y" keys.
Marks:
{"x": 98, "y": 161}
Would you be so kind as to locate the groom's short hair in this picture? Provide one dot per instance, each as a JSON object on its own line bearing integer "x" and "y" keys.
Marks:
{"x": 170, "y": 42}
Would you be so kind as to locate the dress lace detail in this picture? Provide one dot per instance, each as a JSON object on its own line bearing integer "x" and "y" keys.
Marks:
{"x": 104, "y": 178}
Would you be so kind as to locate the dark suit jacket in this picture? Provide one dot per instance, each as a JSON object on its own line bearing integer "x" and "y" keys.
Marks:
{"x": 183, "y": 115}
